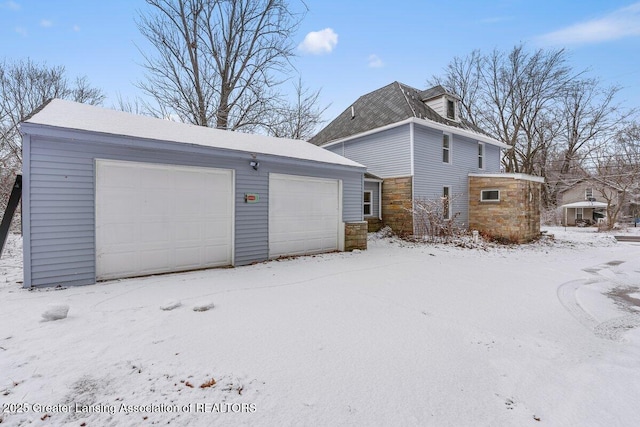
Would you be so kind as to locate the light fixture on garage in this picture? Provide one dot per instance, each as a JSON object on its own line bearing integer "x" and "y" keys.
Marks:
{"x": 254, "y": 164}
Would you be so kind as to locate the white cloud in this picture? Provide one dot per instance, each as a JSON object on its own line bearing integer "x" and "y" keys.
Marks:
{"x": 495, "y": 20}
{"x": 375, "y": 61}
{"x": 11, "y": 5}
{"x": 46, "y": 23}
{"x": 319, "y": 42}
{"x": 22, "y": 31}
{"x": 621, "y": 23}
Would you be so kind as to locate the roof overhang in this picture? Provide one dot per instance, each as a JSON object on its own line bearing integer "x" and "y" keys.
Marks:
{"x": 519, "y": 176}
{"x": 60, "y": 116}
{"x": 585, "y": 204}
{"x": 429, "y": 123}
{"x": 368, "y": 176}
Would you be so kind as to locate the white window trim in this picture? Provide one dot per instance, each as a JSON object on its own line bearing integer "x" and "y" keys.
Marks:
{"x": 370, "y": 204}
{"x": 449, "y": 149}
{"x": 483, "y": 200}
{"x": 481, "y": 155}
{"x": 449, "y": 205}
{"x": 446, "y": 109}
{"x": 581, "y": 210}
{"x": 586, "y": 193}
{"x": 379, "y": 184}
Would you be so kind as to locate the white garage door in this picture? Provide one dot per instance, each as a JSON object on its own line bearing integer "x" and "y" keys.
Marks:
{"x": 159, "y": 218}
{"x": 304, "y": 215}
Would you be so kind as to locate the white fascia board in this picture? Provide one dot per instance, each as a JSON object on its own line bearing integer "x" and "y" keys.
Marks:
{"x": 429, "y": 123}
{"x": 411, "y": 141}
{"x": 369, "y": 132}
{"x": 62, "y": 114}
{"x": 463, "y": 132}
{"x": 520, "y": 176}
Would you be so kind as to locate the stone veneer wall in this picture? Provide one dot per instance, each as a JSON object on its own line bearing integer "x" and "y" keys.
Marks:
{"x": 375, "y": 224}
{"x": 397, "y": 204}
{"x": 515, "y": 218}
{"x": 355, "y": 235}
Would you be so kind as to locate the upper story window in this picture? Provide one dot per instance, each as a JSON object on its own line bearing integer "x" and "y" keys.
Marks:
{"x": 588, "y": 193}
{"x": 451, "y": 109}
{"x": 446, "y": 148}
{"x": 480, "y": 155}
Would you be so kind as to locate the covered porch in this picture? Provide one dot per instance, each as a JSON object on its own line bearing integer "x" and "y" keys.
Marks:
{"x": 583, "y": 213}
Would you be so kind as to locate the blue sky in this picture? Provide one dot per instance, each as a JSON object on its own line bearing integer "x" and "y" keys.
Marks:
{"x": 346, "y": 48}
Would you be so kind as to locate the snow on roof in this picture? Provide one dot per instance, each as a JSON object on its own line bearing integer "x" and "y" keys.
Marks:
{"x": 72, "y": 115}
{"x": 585, "y": 204}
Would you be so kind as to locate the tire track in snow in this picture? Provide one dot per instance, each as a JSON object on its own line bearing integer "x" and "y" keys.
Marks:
{"x": 611, "y": 329}
{"x": 567, "y": 296}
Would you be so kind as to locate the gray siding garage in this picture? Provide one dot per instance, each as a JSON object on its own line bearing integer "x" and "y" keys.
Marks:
{"x": 107, "y": 194}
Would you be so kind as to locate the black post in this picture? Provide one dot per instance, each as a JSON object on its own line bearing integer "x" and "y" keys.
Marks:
{"x": 14, "y": 199}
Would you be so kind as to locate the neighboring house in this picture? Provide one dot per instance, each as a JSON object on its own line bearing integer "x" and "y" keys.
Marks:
{"x": 585, "y": 201}
{"x": 417, "y": 147}
{"x": 108, "y": 194}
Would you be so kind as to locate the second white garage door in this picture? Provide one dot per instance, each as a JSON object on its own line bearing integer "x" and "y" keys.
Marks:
{"x": 305, "y": 215}
{"x": 161, "y": 218}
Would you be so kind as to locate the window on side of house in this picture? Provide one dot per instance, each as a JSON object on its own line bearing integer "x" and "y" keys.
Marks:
{"x": 579, "y": 214}
{"x": 446, "y": 202}
{"x": 490, "y": 196}
{"x": 368, "y": 197}
{"x": 446, "y": 148}
{"x": 480, "y": 155}
{"x": 451, "y": 109}
{"x": 588, "y": 193}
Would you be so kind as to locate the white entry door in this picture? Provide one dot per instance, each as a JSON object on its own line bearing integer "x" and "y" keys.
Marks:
{"x": 305, "y": 215}
{"x": 153, "y": 218}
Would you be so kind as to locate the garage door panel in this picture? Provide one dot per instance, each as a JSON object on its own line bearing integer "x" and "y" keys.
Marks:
{"x": 217, "y": 252}
{"x": 188, "y": 231}
{"x": 152, "y": 260}
{"x": 189, "y": 257}
{"x": 304, "y": 215}
{"x": 161, "y": 218}
{"x": 121, "y": 263}
{"x": 153, "y": 178}
{"x": 153, "y": 232}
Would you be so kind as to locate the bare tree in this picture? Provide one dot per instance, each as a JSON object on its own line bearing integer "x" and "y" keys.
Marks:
{"x": 299, "y": 119}
{"x": 589, "y": 117}
{"x": 550, "y": 115}
{"x": 216, "y": 62}
{"x": 135, "y": 106}
{"x": 463, "y": 77}
{"x": 617, "y": 166}
{"x": 24, "y": 86}
{"x": 508, "y": 94}
{"x": 586, "y": 118}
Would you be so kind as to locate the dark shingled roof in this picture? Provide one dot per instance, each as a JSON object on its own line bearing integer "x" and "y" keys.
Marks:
{"x": 435, "y": 92}
{"x": 389, "y": 104}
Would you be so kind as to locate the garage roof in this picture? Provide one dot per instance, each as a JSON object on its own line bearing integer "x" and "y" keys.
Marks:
{"x": 73, "y": 115}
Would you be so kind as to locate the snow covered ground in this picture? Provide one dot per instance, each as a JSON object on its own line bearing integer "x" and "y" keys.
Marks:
{"x": 401, "y": 334}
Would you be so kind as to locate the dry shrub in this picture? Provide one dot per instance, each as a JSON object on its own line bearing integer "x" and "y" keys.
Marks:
{"x": 430, "y": 222}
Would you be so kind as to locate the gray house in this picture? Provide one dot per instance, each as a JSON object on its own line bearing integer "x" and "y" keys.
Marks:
{"x": 585, "y": 201}
{"x": 107, "y": 195}
{"x": 415, "y": 146}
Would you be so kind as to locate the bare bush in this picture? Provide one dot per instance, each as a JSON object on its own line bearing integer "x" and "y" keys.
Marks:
{"x": 434, "y": 222}
{"x": 551, "y": 216}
